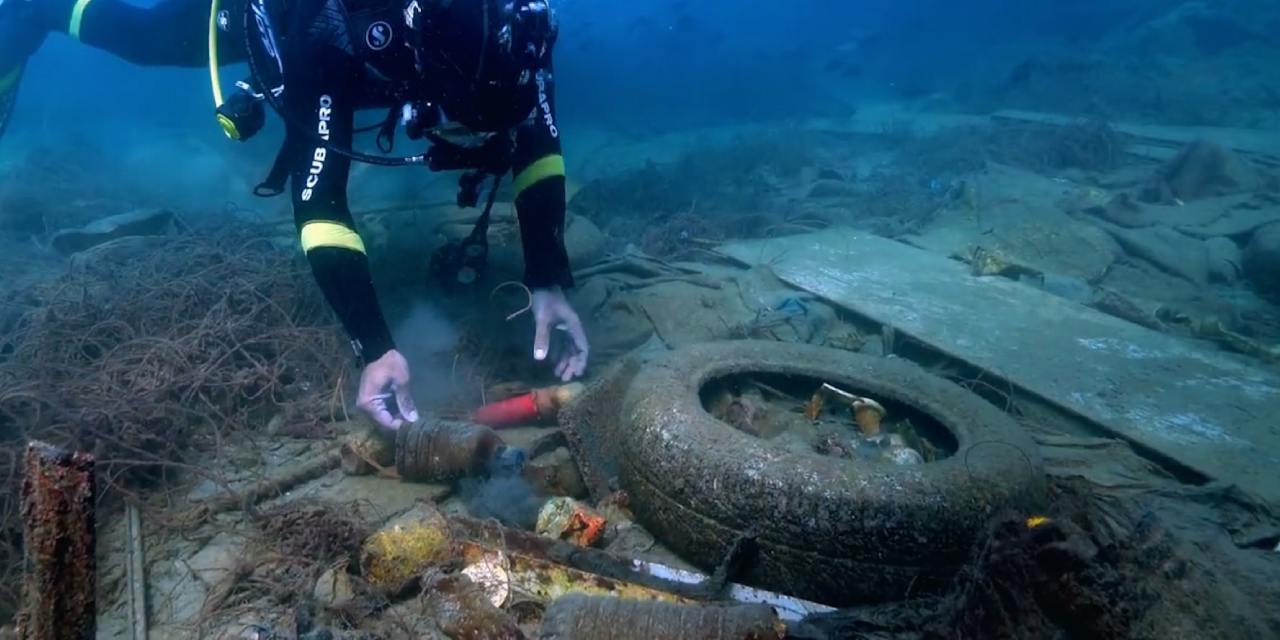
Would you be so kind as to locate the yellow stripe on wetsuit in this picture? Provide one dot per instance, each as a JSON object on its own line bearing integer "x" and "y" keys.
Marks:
{"x": 548, "y": 167}
{"x": 330, "y": 234}
{"x": 77, "y": 16}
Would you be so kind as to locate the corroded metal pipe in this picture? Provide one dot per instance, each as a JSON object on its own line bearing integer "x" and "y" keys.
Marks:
{"x": 57, "y": 508}
{"x": 579, "y": 617}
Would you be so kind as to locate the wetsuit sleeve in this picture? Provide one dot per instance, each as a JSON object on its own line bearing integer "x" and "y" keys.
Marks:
{"x": 321, "y": 80}
{"x": 540, "y": 192}
{"x": 166, "y": 33}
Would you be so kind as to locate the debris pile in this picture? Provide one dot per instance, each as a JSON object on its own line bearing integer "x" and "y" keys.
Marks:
{"x": 833, "y": 422}
{"x": 427, "y": 575}
{"x": 1098, "y": 569}
{"x": 149, "y": 363}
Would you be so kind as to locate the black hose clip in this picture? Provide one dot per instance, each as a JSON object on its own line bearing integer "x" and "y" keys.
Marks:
{"x": 462, "y": 263}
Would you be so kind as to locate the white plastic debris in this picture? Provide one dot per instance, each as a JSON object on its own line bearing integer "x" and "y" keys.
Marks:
{"x": 490, "y": 573}
{"x": 788, "y": 608}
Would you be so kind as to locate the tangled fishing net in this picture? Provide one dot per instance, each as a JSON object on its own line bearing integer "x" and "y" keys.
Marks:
{"x": 151, "y": 358}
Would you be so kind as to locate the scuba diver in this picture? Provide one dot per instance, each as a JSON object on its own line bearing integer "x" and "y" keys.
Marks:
{"x": 471, "y": 77}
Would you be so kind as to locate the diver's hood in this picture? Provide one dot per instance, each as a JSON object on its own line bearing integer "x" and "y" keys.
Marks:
{"x": 481, "y": 57}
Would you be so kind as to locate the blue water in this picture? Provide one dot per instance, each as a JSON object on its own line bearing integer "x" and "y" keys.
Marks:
{"x": 662, "y": 65}
{"x": 687, "y": 123}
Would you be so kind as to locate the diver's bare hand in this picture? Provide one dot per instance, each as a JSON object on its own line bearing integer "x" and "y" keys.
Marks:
{"x": 551, "y": 310}
{"x": 383, "y": 379}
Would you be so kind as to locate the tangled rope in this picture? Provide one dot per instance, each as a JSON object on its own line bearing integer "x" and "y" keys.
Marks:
{"x": 150, "y": 358}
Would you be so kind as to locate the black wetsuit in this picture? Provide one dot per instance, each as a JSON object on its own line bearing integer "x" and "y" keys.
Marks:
{"x": 173, "y": 33}
{"x": 345, "y": 56}
{"x": 339, "y": 57}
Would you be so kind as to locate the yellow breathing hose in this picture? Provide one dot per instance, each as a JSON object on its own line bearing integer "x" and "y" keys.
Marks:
{"x": 214, "y": 78}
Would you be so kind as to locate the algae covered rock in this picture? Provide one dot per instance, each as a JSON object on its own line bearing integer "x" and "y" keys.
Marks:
{"x": 1207, "y": 169}
{"x": 1262, "y": 260}
{"x": 334, "y": 589}
{"x": 1226, "y": 260}
{"x": 1168, "y": 250}
{"x": 406, "y": 547}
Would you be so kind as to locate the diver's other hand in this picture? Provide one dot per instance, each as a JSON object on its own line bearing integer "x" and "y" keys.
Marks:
{"x": 551, "y": 310}
{"x": 384, "y": 379}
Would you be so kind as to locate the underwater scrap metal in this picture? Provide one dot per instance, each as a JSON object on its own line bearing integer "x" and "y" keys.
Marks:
{"x": 468, "y": 577}
{"x": 247, "y": 497}
{"x": 564, "y": 518}
{"x": 545, "y": 568}
{"x": 57, "y": 508}
{"x": 580, "y": 617}
{"x": 152, "y": 359}
{"x": 510, "y": 578}
{"x": 990, "y": 262}
{"x": 1212, "y": 329}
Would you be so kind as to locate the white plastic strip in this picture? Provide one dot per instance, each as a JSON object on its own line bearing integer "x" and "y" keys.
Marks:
{"x": 789, "y": 608}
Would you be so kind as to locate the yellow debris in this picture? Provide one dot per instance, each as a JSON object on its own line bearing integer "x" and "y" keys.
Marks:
{"x": 814, "y": 408}
{"x": 394, "y": 555}
{"x": 1037, "y": 521}
{"x": 868, "y": 413}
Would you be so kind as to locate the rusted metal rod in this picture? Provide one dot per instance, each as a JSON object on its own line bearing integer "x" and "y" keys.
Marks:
{"x": 57, "y": 509}
{"x": 580, "y": 617}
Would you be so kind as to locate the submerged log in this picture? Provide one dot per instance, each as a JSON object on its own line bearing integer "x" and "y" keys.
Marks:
{"x": 57, "y": 508}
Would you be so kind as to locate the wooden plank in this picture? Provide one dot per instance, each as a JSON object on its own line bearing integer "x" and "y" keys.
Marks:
{"x": 1213, "y": 412}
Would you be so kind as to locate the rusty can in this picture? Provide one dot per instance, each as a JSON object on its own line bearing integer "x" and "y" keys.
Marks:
{"x": 567, "y": 519}
{"x": 444, "y": 450}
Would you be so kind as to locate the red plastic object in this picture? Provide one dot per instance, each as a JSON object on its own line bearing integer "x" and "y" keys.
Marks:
{"x": 522, "y": 409}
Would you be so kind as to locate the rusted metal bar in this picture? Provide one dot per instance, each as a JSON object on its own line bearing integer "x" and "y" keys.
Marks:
{"x": 57, "y": 508}
{"x": 580, "y": 617}
{"x": 273, "y": 486}
{"x": 542, "y": 568}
